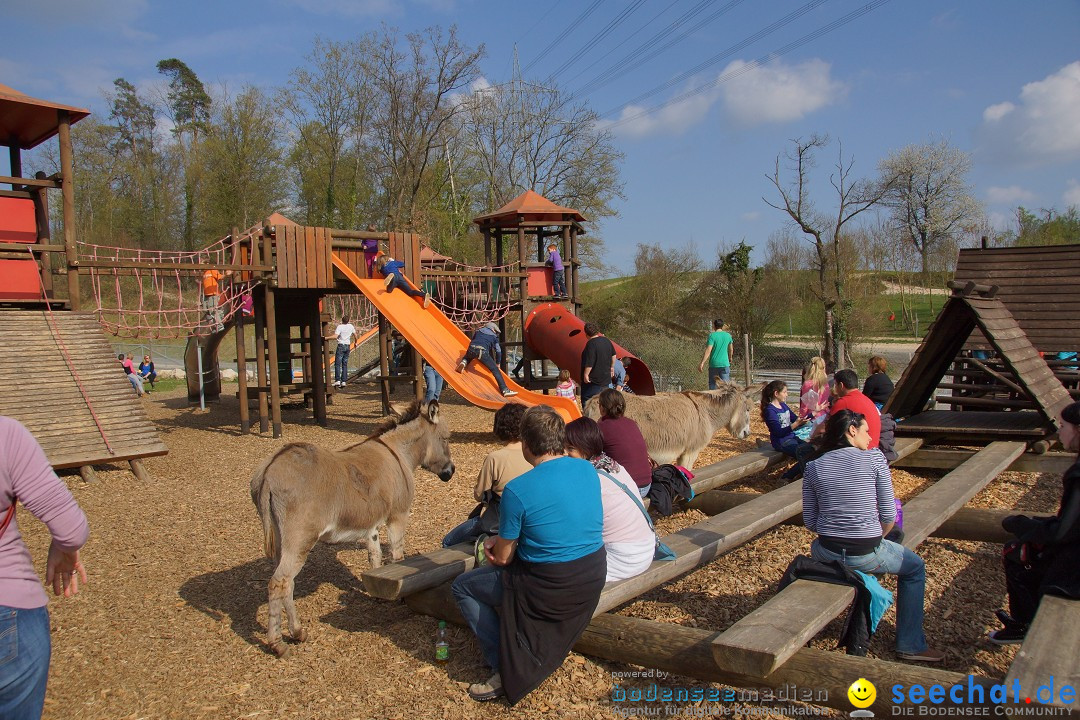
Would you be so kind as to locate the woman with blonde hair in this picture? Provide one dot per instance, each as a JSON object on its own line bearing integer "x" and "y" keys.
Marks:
{"x": 813, "y": 396}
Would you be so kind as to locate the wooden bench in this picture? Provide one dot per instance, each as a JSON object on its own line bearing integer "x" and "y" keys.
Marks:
{"x": 745, "y": 649}
{"x": 1050, "y": 651}
{"x": 429, "y": 570}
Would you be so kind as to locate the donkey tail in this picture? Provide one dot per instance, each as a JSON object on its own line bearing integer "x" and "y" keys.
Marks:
{"x": 260, "y": 495}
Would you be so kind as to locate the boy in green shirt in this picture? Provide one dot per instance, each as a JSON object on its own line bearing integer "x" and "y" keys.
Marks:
{"x": 718, "y": 354}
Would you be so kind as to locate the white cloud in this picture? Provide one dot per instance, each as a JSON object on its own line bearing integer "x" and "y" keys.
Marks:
{"x": 636, "y": 121}
{"x": 750, "y": 94}
{"x": 1071, "y": 196}
{"x": 1012, "y": 195}
{"x": 1042, "y": 127}
{"x": 996, "y": 112}
{"x": 777, "y": 92}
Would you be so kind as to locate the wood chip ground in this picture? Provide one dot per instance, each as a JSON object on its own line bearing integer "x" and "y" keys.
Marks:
{"x": 173, "y": 620}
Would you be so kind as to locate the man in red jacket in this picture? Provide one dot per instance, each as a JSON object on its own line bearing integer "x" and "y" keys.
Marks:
{"x": 849, "y": 397}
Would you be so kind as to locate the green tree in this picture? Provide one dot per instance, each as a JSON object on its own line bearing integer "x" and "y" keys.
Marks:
{"x": 245, "y": 170}
{"x": 190, "y": 107}
{"x": 1052, "y": 228}
{"x": 750, "y": 299}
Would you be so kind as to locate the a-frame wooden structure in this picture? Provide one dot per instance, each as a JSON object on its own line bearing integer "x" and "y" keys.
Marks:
{"x": 1033, "y": 395}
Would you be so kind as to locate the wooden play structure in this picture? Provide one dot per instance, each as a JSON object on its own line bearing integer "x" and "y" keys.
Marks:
{"x": 58, "y": 375}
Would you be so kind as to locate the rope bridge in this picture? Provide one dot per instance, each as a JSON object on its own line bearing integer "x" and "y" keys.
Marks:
{"x": 475, "y": 296}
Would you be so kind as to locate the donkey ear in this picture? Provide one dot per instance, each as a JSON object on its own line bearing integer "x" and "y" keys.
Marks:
{"x": 397, "y": 410}
{"x": 433, "y": 411}
{"x": 754, "y": 391}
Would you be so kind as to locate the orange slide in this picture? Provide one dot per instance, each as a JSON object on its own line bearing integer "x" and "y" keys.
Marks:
{"x": 443, "y": 345}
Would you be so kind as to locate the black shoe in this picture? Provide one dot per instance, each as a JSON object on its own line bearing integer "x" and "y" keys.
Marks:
{"x": 1008, "y": 635}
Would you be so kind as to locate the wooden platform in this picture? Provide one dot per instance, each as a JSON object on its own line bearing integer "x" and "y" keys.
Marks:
{"x": 38, "y": 389}
{"x": 974, "y": 425}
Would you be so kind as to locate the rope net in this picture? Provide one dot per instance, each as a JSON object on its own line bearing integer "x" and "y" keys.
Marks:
{"x": 151, "y": 301}
{"x": 159, "y": 302}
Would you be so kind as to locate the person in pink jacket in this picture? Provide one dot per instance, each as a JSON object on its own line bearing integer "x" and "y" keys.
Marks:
{"x": 25, "y": 645}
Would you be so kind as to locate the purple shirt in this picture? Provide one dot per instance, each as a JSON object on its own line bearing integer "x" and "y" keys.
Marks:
{"x": 555, "y": 259}
{"x": 26, "y": 475}
{"x": 625, "y": 445}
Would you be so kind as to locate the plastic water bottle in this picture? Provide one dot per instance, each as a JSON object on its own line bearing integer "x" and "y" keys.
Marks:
{"x": 442, "y": 647}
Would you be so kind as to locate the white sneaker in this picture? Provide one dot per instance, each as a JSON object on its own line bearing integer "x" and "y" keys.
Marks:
{"x": 389, "y": 279}
{"x": 427, "y": 300}
{"x": 461, "y": 366}
{"x": 509, "y": 393}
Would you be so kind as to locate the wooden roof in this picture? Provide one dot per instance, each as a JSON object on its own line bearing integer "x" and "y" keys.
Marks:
{"x": 38, "y": 389}
{"x": 529, "y": 206}
{"x": 26, "y": 122}
{"x": 962, "y": 314}
{"x": 1038, "y": 285}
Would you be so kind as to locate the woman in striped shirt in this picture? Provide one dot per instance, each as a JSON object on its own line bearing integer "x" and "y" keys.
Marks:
{"x": 848, "y": 501}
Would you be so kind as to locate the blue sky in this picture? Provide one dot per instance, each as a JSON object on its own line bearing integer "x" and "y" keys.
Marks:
{"x": 997, "y": 78}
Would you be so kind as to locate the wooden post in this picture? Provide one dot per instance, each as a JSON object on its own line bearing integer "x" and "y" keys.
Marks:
{"x": 15, "y": 158}
{"x": 385, "y": 349}
{"x": 139, "y": 470}
{"x": 68, "y": 192}
{"x": 746, "y": 359}
{"x": 522, "y": 258}
{"x": 88, "y": 474}
{"x": 44, "y": 232}
{"x": 272, "y": 348}
{"x": 261, "y": 360}
{"x": 570, "y": 248}
{"x": 317, "y": 360}
{"x": 241, "y": 374}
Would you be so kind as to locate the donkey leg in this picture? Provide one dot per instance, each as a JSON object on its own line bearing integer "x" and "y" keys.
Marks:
{"x": 395, "y": 529}
{"x": 281, "y": 594}
{"x": 374, "y": 550}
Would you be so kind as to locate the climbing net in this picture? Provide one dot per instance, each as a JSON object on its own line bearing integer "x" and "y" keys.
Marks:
{"x": 472, "y": 298}
{"x": 361, "y": 313}
{"x": 147, "y": 298}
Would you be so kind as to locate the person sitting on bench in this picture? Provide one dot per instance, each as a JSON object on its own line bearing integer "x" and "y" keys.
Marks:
{"x": 848, "y": 501}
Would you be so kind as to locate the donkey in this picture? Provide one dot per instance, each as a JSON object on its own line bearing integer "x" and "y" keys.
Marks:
{"x": 678, "y": 426}
{"x": 304, "y": 494}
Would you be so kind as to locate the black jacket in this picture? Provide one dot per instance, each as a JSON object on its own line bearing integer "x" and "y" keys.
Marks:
{"x": 856, "y": 633}
{"x": 668, "y": 482}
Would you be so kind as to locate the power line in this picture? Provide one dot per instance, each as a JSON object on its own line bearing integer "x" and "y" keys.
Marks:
{"x": 604, "y": 32}
{"x": 561, "y": 36}
{"x": 869, "y": 7}
{"x": 635, "y": 57}
{"x": 648, "y": 23}
{"x": 724, "y": 54}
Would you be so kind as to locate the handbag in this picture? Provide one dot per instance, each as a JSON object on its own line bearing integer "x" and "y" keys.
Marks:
{"x": 661, "y": 551}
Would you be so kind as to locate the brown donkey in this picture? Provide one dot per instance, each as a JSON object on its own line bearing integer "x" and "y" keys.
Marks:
{"x": 305, "y": 494}
{"x": 678, "y": 426}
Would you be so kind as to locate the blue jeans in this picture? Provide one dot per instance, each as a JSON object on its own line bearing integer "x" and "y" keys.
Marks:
{"x": 479, "y": 594}
{"x": 724, "y": 373}
{"x": 801, "y": 450}
{"x": 558, "y": 282}
{"x": 910, "y": 570}
{"x": 477, "y": 352}
{"x": 341, "y": 363}
{"x": 590, "y": 390}
{"x": 399, "y": 284}
{"x": 467, "y": 531}
{"x": 24, "y": 662}
{"x": 433, "y": 384}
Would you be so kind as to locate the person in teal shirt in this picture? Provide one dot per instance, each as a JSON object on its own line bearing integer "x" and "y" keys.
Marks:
{"x": 718, "y": 354}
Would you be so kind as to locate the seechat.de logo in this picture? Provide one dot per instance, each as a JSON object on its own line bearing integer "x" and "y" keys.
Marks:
{"x": 862, "y": 694}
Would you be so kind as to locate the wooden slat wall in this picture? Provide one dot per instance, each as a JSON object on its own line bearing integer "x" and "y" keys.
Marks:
{"x": 303, "y": 257}
{"x": 1037, "y": 284}
{"x": 38, "y": 389}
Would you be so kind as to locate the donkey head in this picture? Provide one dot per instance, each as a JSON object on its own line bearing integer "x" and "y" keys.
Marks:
{"x": 437, "y": 454}
{"x": 732, "y": 408}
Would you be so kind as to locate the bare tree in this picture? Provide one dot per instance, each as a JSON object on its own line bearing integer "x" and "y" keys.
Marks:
{"x": 930, "y": 199}
{"x": 825, "y": 231}
{"x": 415, "y": 90}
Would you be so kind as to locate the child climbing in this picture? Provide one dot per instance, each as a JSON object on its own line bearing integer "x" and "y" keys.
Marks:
{"x": 558, "y": 271}
{"x": 485, "y": 347}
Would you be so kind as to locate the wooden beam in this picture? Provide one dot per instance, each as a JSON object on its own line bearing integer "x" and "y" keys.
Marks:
{"x": 764, "y": 639}
{"x": 1055, "y": 463}
{"x": 87, "y": 473}
{"x": 1048, "y": 654}
{"x": 140, "y": 472}
{"x": 67, "y": 174}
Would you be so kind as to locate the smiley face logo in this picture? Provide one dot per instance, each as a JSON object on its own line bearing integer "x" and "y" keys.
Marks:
{"x": 862, "y": 693}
